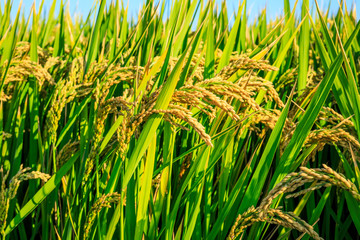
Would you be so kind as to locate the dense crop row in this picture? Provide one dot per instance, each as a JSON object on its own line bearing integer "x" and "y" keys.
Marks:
{"x": 179, "y": 127}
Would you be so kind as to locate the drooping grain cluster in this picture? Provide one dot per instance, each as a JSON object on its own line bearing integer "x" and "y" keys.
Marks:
{"x": 8, "y": 193}
{"x": 272, "y": 216}
{"x": 100, "y": 203}
{"x": 205, "y": 95}
{"x": 321, "y": 177}
{"x": 332, "y": 129}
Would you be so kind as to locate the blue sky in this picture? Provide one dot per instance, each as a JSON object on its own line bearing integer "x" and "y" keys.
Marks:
{"x": 273, "y": 7}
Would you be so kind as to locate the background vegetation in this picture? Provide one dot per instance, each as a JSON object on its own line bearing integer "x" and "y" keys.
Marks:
{"x": 180, "y": 127}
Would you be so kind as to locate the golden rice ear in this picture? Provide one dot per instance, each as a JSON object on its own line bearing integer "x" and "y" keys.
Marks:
{"x": 23, "y": 175}
{"x": 320, "y": 177}
{"x": 100, "y": 203}
{"x": 8, "y": 193}
{"x": 20, "y": 70}
{"x": 65, "y": 92}
{"x": 339, "y": 136}
{"x": 66, "y": 152}
{"x": 272, "y": 216}
{"x": 117, "y": 105}
{"x": 246, "y": 63}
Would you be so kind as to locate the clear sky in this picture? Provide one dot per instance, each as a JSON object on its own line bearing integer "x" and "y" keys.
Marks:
{"x": 273, "y": 7}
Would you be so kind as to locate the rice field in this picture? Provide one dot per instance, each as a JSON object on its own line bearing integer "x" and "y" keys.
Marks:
{"x": 200, "y": 124}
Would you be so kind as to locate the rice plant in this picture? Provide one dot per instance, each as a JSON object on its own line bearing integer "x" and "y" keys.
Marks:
{"x": 197, "y": 125}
